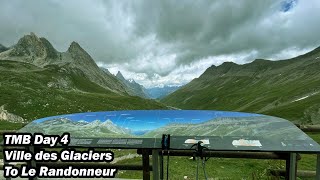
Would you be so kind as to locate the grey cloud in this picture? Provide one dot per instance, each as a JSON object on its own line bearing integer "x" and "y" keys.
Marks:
{"x": 167, "y": 37}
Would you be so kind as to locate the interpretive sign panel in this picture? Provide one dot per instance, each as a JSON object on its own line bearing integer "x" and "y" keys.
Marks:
{"x": 218, "y": 130}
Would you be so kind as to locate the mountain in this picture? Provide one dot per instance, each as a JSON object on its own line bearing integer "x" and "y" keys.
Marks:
{"x": 3, "y": 48}
{"x": 31, "y": 49}
{"x": 288, "y": 88}
{"x": 39, "y": 52}
{"x": 37, "y": 81}
{"x": 134, "y": 88}
{"x": 160, "y": 92}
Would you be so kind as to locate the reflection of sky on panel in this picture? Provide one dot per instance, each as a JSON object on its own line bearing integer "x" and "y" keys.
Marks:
{"x": 142, "y": 120}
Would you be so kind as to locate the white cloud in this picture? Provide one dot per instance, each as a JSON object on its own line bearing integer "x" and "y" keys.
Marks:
{"x": 289, "y": 53}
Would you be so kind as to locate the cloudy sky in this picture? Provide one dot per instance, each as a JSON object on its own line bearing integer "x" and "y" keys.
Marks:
{"x": 167, "y": 41}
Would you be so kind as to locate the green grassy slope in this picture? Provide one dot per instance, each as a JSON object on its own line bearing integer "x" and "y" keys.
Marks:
{"x": 32, "y": 92}
{"x": 275, "y": 88}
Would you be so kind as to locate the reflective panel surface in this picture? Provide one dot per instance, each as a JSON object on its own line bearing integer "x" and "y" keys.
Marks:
{"x": 217, "y": 130}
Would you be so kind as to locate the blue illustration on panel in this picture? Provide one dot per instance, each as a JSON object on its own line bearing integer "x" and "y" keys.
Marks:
{"x": 142, "y": 121}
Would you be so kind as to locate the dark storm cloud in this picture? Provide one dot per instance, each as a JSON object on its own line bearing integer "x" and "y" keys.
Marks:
{"x": 206, "y": 28}
{"x": 158, "y": 41}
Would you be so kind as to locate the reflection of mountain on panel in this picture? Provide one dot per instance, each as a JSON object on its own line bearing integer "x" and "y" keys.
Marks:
{"x": 141, "y": 132}
{"x": 252, "y": 126}
{"x": 259, "y": 126}
{"x": 79, "y": 128}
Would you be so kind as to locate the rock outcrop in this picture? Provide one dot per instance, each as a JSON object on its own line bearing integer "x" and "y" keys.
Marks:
{"x": 6, "y": 116}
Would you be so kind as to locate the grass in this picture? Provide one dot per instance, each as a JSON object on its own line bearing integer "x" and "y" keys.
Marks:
{"x": 221, "y": 168}
{"x": 4, "y": 125}
{"x": 26, "y": 93}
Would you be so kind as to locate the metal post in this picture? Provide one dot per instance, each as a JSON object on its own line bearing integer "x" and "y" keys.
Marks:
{"x": 155, "y": 164}
{"x": 145, "y": 164}
{"x": 32, "y": 163}
{"x": 161, "y": 165}
{"x": 291, "y": 167}
{"x": 318, "y": 167}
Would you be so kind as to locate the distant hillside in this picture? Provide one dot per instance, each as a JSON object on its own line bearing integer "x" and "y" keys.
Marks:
{"x": 160, "y": 92}
{"x": 134, "y": 88}
{"x": 289, "y": 88}
{"x": 37, "y": 81}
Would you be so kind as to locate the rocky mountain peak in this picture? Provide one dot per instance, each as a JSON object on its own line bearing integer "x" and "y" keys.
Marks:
{"x": 33, "y": 46}
{"x": 74, "y": 46}
{"x": 30, "y": 38}
{"x": 50, "y": 50}
{"x": 120, "y": 76}
{"x": 80, "y": 59}
{"x": 32, "y": 34}
{"x": 29, "y": 45}
{"x": 79, "y": 54}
